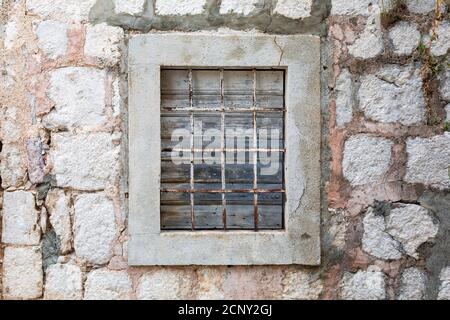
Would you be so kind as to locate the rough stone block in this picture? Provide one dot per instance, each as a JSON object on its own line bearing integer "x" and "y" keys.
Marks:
{"x": 429, "y": 161}
{"x": 344, "y": 99}
{"x": 57, "y": 204}
{"x": 242, "y": 7}
{"x": 52, "y": 38}
{"x": 294, "y": 9}
{"x": 105, "y": 284}
{"x": 104, "y": 43}
{"x": 131, "y": 7}
{"x": 411, "y": 225}
{"x": 412, "y": 286}
{"x": 22, "y": 273}
{"x": 79, "y": 97}
{"x": 441, "y": 45}
{"x": 353, "y": 8}
{"x": 444, "y": 288}
{"x": 64, "y": 10}
{"x": 63, "y": 282}
{"x": 366, "y": 159}
{"x": 84, "y": 161}
{"x": 421, "y": 6}
{"x": 12, "y": 166}
{"x": 179, "y": 7}
{"x": 363, "y": 285}
{"x": 376, "y": 241}
{"x": 445, "y": 84}
{"x": 393, "y": 94}
{"x": 405, "y": 38}
{"x": 20, "y": 219}
{"x": 95, "y": 228}
{"x": 370, "y": 43}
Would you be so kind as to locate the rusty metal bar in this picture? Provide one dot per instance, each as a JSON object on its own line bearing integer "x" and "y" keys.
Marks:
{"x": 223, "y": 153}
{"x": 191, "y": 115}
{"x": 252, "y": 191}
{"x": 255, "y": 156}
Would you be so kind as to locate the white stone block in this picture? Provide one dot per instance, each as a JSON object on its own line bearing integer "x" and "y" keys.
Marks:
{"x": 63, "y": 282}
{"x": 131, "y": 7}
{"x": 79, "y": 97}
{"x": 52, "y": 38}
{"x": 84, "y": 161}
{"x": 104, "y": 43}
{"x": 344, "y": 99}
{"x": 95, "y": 229}
{"x": 179, "y": 7}
{"x": 412, "y": 286}
{"x": 57, "y": 204}
{"x": 105, "y": 284}
{"x": 405, "y": 38}
{"x": 22, "y": 273}
{"x": 363, "y": 285}
{"x": 429, "y": 161}
{"x": 294, "y": 9}
{"x": 64, "y": 10}
{"x": 20, "y": 219}
{"x": 366, "y": 159}
{"x": 393, "y": 94}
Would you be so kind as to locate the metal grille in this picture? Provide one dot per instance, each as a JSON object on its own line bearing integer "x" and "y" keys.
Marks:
{"x": 222, "y": 132}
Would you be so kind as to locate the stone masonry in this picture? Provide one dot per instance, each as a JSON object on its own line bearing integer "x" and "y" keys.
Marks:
{"x": 385, "y": 158}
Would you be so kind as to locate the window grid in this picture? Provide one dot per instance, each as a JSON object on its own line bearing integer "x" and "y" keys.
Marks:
{"x": 223, "y": 109}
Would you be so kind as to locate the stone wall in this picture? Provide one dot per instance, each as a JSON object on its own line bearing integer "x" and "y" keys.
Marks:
{"x": 386, "y": 149}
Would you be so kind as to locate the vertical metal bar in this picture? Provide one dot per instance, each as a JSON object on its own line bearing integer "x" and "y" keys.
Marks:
{"x": 222, "y": 156}
{"x": 191, "y": 113}
{"x": 255, "y": 156}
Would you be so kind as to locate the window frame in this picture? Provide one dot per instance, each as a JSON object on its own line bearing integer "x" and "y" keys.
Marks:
{"x": 299, "y": 242}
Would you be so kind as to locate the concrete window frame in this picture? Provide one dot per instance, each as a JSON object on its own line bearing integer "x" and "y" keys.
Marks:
{"x": 299, "y": 242}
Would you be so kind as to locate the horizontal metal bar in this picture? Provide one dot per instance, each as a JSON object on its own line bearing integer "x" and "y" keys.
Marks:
{"x": 253, "y": 191}
{"x": 219, "y": 109}
{"x": 222, "y": 150}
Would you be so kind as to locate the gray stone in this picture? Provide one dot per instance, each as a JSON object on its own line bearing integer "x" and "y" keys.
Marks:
{"x": 242, "y": 7}
{"x": 447, "y": 110}
{"x": 104, "y": 43}
{"x": 405, "y": 38}
{"x": 57, "y": 204}
{"x": 429, "y": 161}
{"x": 63, "y": 282}
{"x": 412, "y": 286}
{"x": 376, "y": 241}
{"x": 294, "y": 9}
{"x": 179, "y": 7}
{"x": 104, "y": 284}
{"x": 366, "y": 159}
{"x": 445, "y": 84}
{"x": 370, "y": 43}
{"x": 363, "y": 285}
{"x": 20, "y": 219}
{"x": 411, "y": 225}
{"x": 344, "y": 99}
{"x": 95, "y": 229}
{"x": 79, "y": 97}
{"x": 444, "y": 289}
{"x": 22, "y": 273}
{"x": 421, "y": 6}
{"x": 52, "y": 38}
{"x": 440, "y": 46}
{"x": 84, "y": 161}
{"x": 393, "y": 94}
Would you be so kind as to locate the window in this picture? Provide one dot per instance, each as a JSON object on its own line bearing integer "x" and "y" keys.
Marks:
{"x": 222, "y": 144}
{"x": 224, "y": 149}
